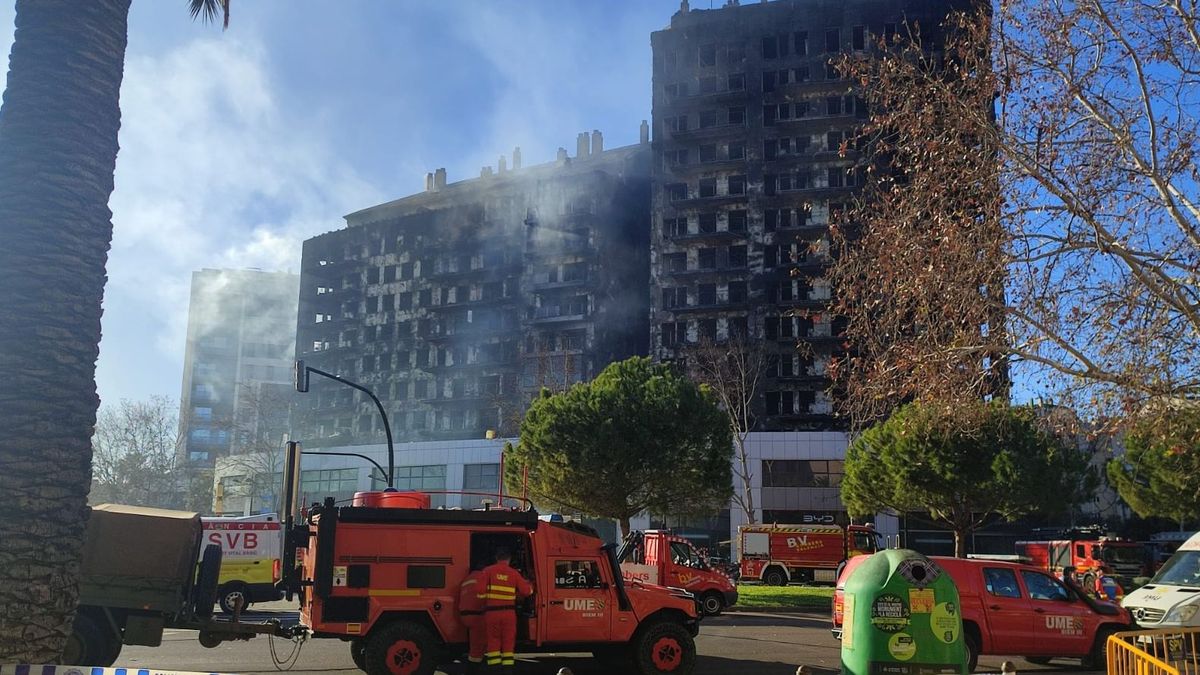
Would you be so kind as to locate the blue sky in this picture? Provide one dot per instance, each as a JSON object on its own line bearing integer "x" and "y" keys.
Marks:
{"x": 238, "y": 145}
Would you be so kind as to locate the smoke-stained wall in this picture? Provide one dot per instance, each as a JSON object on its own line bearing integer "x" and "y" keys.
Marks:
{"x": 753, "y": 158}
{"x": 456, "y": 304}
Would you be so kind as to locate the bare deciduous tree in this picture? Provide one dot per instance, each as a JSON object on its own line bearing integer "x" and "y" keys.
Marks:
{"x": 1033, "y": 201}
{"x": 135, "y": 450}
{"x": 733, "y": 369}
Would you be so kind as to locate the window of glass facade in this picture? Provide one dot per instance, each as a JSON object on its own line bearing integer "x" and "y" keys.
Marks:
{"x": 802, "y": 472}
{"x": 420, "y": 478}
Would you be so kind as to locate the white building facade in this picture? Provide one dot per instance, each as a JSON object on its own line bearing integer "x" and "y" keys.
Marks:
{"x": 796, "y": 478}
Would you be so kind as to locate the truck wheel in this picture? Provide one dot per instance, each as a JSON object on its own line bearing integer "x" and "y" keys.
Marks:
{"x": 1098, "y": 658}
{"x": 712, "y": 603}
{"x": 664, "y": 647}
{"x": 1089, "y": 584}
{"x": 775, "y": 577}
{"x": 90, "y": 644}
{"x": 204, "y": 592}
{"x": 401, "y": 648}
{"x": 358, "y": 652}
{"x": 971, "y": 644}
{"x": 230, "y": 594}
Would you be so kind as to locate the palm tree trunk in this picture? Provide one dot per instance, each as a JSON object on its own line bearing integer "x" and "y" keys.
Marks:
{"x": 58, "y": 148}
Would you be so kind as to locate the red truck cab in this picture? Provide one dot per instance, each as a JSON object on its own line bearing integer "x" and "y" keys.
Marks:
{"x": 1088, "y": 560}
{"x": 665, "y": 559}
{"x": 1015, "y": 609}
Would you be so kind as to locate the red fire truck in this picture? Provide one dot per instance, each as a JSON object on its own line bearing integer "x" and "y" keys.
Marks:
{"x": 1088, "y": 559}
{"x": 660, "y": 557}
{"x": 781, "y": 554}
{"x": 384, "y": 572}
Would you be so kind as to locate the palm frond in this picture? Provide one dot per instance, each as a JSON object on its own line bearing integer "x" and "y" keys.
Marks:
{"x": 207, "y": 10}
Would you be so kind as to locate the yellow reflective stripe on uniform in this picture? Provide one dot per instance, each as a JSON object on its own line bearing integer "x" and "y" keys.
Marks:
{"x": 498, "y": 596}
{"x": 494, "y": 587}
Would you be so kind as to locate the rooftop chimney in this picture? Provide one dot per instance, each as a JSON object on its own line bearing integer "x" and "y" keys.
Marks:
{"x": 439, "y": 179}
{"x": 597, "y": 142}
{"x": 516, "y": 158}
{"x": 429, "y": 182}
{"x": 683, "y": 6}
{"x": 502, "y": 165}
{"x": 644, "y": 133}
{"x": 581, "y": 145}
{"x": 562, "y": 155}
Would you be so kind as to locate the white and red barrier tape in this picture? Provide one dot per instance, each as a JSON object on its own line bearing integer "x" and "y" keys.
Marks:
{"x": 24, "y": 669}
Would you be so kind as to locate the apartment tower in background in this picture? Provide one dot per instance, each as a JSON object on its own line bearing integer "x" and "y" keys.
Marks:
{"x": 237, "y": 369}
{"x": 457, "y": 304}
{"x": 749, "y": 120}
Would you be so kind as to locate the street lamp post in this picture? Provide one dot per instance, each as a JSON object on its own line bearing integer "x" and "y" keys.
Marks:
{"x": 301, "y": 381}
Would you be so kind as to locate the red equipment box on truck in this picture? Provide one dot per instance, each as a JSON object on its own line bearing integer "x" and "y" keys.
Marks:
{"x": 782, "y": 554}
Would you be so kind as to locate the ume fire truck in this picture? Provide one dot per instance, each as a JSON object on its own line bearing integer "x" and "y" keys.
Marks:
{"x": 781, "y": 554}
{"x": 383, "y": 573}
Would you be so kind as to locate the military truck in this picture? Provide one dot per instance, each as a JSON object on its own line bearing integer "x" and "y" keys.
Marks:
{"x": 139, "y": 576}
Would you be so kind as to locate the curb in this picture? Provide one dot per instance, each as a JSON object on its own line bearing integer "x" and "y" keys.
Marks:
{"x": 26, "y": 669}
{"x": 823, "y": 613}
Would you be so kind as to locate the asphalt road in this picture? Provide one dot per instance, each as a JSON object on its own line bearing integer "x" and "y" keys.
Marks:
{"x": 743, "y": 643}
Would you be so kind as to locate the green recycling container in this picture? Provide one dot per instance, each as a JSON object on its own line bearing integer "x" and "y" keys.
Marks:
{"x": 901, "y": 617}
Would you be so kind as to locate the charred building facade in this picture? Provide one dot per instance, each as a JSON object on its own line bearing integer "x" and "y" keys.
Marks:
{"x": 457, "y": 304}
{"x": 751, "y": 121}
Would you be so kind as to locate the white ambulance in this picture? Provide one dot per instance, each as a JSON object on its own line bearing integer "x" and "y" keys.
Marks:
{"x": 1172, "y": 597}
{"x": 251, "y": 562}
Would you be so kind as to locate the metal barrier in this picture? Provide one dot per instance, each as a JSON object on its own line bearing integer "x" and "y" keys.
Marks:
{"x": 1165, "y": 651}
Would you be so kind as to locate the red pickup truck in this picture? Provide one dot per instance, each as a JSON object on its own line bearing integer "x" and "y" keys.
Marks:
{"x": 1009, "y": 608}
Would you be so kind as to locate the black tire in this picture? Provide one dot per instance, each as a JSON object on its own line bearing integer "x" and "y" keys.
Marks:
{"x": 1097, "y": 659}
{"x": 775, "y": 577}
{"x": 91, "y": 643}
{"x": 664, "y": 647}
{"x": 1038, "y": 660}
{"x": 229, "y": 593}
{"x": 971, "y": 644}
{"x": 401, "y": 648}
{"x": 204, "y": 593}
{"x": 712, "y": 603}
{"x": 358, "y": 653}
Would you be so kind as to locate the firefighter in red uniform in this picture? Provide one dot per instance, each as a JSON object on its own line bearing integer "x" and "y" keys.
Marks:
{"x": 503, "y": 587}
{"x": 470, "y": 611}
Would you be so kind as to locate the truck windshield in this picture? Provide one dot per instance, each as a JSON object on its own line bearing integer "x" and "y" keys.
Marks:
{"x": 682, "y": 553}
{"x": 1133, "y": 555}
{"x": 1183, "y": 569}
{"x": 867, "y": 542}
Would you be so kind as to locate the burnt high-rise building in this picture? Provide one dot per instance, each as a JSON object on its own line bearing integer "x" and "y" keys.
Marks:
{"x": 751, "y": 121}
{"x": 457, "y": 304}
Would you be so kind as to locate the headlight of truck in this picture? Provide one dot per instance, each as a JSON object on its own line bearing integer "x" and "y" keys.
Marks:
{"x": 1184, "y": 614}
